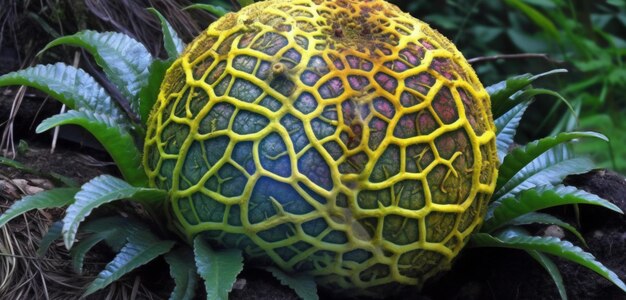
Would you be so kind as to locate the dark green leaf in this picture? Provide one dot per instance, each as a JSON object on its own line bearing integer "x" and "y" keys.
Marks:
{"x": 541, "y": 218}
{"x": 98, "y": 191}
{"x": 124, "y": 60}
{"x": 142, "y": 247}
{"x": 47, "y": 199}
{"x": 520, "y": 157}
{"x": 183, "y": 271}
{"x": 531, "y": 93}
{"x": 124, "y": 227}
{"x": 552, "y": 269}
{"x": 548, "y": 245}
{"x": 83, "y": 246}
{"x": 503, "y": 90}
{"x": 43, "y": 24}
{"x": 54, "y": 233}
{"x": 303, "y": 285}
{"x": 116, "y": 139}
{"x": 173, "y": 45}
{"x": 508, "y": 93}
{"x": 72, "y": 86}
{"x": 150, "y": 92}
{"x": 536, "y": 16}
{"x": 219, "y": 269}
{"x": 549, "y": 168}
{"x": 215, "y": 10}
{"x": 506, "y": 127}
{"x": 532, "y": 200}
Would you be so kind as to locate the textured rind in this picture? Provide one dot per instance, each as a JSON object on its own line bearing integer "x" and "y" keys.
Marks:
{"x": 345, "y": 139}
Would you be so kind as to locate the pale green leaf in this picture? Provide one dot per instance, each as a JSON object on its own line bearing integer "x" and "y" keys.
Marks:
{"x": 99, "y": 191}
{"x": 521, "y": 157}
{"x": 124, "y": 227}
{"x": 46, "y": 199}
{"x": 72, "y": 86}
{"x": 549, "y": 168}
{"x": 506, "y": 127}
{"x": 124, "y": 60}
{"x": 83, "y": 246}
{"x": 531, "y": 200}
{"x": 303, "y": 285}
{"x": 54, "y": 232}
{"x": 219, "y": 269}
{"x": 142, "y": 247}
{"x": 183, "y": 271}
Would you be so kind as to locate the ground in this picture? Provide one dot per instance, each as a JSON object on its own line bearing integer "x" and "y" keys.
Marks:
{"x": 477, "y": 273}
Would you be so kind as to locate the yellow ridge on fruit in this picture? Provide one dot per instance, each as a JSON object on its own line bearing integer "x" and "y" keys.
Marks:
{"x": 343, "y": 139}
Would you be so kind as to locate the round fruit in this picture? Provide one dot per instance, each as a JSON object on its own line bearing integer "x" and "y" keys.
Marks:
{"x": 343, "y": 139}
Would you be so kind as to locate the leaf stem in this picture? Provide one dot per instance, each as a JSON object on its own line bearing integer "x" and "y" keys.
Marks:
{"x": 544, "y": 56}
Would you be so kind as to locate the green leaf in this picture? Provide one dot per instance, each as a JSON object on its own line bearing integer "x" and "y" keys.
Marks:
{"x": 124, "y": 60}
{"x": 552, "y": 269}
{"x": 531, "y": 200}
{"x": 150, "y": 92}
{"x": 124, "y": 227}
{"x": 116, "y": 139}
{"x": 71, "y": 86}
{"x": 303, "y": 285}
{"x": 173, "y": 45}
{"x": 142, "y": 247}
{"x": 54, "y": 233}
{"x": 503, "y": 90}
{"x": 219, "y": 269}
{"x": 541, "y": 218}
{"x": 506, "y": 127}
{"x": 541, "y": 20}
{"x": 519, "y": 158}
{"x": 508, "y": 93}
{"x": 183, "y": 271}
{"x": 215, "y": 10}
{"x": 98, "y": 191}
{"x": 82, "y": 247}
{"x": 549, "y": 168}
{"x": 549, "y": 245}
{"x": 15, "y": 164}
{"x": 46, "y": 199}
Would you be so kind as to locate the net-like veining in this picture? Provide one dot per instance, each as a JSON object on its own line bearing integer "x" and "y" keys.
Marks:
{"x": 344, "y": 139}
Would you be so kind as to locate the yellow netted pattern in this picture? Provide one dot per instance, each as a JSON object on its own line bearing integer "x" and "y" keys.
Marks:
{"x": 344, "y": 139}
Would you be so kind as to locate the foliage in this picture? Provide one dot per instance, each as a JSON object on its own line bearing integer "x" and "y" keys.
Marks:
{"x": 120, "y": 130}
{"x": 529, "y": 180}
{"x": 583, "y": 36}
{"x": 524, "y": 186}
{"x": 219, "y": 269}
